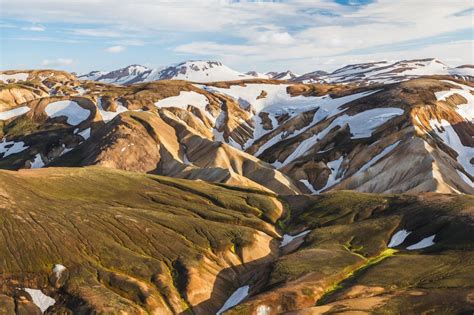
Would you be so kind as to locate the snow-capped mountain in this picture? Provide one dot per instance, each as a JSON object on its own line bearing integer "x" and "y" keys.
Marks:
{"x": 127, "y": 75}
{"x": 286, "y": 75}
{"x": 194, "y": 71}
{"x": 202, "y": 71}
{"x": 279, "y": 134}
{"x": 385, "y": 72}
{"x": 215, "y": 71}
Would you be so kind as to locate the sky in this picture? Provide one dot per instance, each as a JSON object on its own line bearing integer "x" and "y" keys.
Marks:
{"x": 278, "y": 35}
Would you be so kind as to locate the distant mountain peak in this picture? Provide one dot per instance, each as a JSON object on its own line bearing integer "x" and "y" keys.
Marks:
{"x": 204, "y": 71}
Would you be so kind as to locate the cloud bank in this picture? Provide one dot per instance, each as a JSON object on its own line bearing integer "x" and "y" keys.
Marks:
{"x": 258, "y": 34}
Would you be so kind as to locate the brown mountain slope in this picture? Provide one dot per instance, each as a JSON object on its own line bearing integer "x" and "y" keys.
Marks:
{"x": 412, "y": 136}
{"x": 130, "y": 243}
{"x": 351, "y": 261}
{"x": 168, "y": 141}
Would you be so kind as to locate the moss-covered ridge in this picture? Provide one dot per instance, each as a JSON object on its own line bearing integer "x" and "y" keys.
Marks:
{"x": 130, "y": 242}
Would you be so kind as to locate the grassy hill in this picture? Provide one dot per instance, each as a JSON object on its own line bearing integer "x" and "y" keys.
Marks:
{"x": 130, "y": 242}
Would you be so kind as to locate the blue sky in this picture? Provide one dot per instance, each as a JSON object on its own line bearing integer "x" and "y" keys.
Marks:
{"x": 301, "y": 35}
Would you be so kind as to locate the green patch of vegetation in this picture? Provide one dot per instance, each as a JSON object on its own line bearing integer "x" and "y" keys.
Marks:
{"x": 350, "y": 276}
{"x": 283, "y": 222}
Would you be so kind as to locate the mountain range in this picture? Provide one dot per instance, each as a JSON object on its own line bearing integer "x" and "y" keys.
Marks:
{"x": 199, "y": 189}
{"x": 213, "y": 71}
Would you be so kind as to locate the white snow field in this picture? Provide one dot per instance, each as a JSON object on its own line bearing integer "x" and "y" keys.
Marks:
{"x": 426, "y": 242}
{"x": 203, "y": 71}
{"x": 465, "y": 110}
{"x": 14, "y": 77}
{"x": 398, "y": 238}
{"x": 287, "y": 239}
{"x": 184, "y": 99}
{"x": 449, "y": 136}
{"x": 37, "y": 162}
{"x": 107, "y": 115}
{"x": 74, "y": 113}
{"x": 238, "y": 296}
{"x": 14, "y": 112}
{"x": 11, "y": 147}
{"x": 40, "y": 299}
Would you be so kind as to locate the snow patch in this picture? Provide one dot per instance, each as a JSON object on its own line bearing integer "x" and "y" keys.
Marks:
{"x": 238, "y": 296}
{"x": 74, "y": 113}
{"x": 464, "y": 110}
{"x": 287, "y": 239}
{"x": 58, "y": 269}
{"x": 426, "y": 242}
{"x": 40, "y": 299}
{"x": 14, "y": 77}
{"x": 308, "y": 185}
{"x": 14, "y": 112}
{"x": 449, "y": 136}
{"x": 184, "y": 99}
{"x": 37, "y": 162}
{"x": 86, "y": 133}
{"x": 108, "y": 116}
{"x": 361, "y": 126}
{"x": 335, "y": 176}
{"x": 398, "y": 238}
{"x": 11, "y": 147}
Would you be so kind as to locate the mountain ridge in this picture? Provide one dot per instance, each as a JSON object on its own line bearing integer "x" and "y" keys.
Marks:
{"x": 202, "y": 71}
{"x": 285, "y": 136}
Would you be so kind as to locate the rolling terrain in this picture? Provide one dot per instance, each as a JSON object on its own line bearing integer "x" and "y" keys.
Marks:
{"x": 410, "y": 136}
{"x": 102, "y": 240}
{"x": 197, "y": 189}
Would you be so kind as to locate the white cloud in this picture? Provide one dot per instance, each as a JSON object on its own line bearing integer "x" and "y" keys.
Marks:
{"x": 59, "y": 62}
{"x": 95, "y": 32}
{"x": 130, "y": 42}
{"x": 115, "y": 49}
{"x": 361, "y": 33}
{"x": 296, "y": 32}
{"x": 34, "y": 28}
